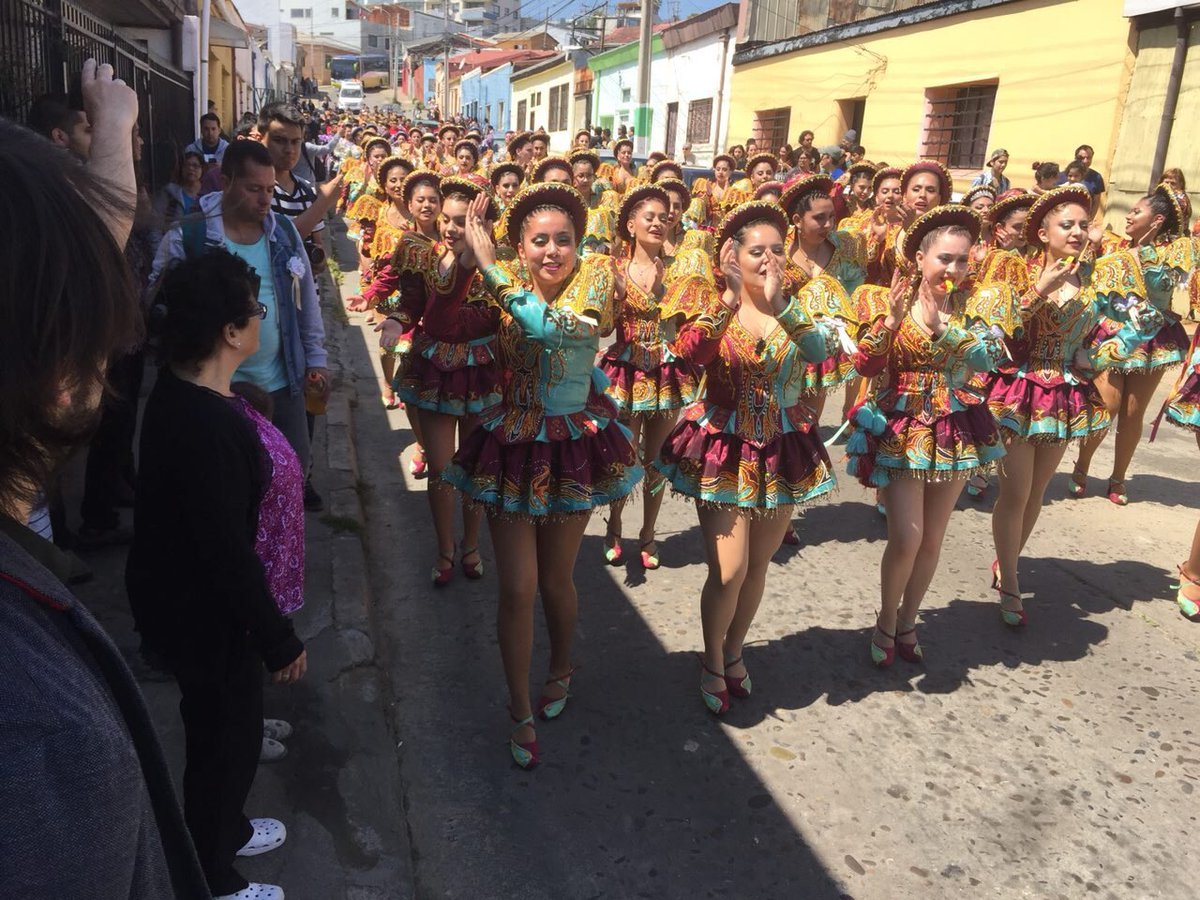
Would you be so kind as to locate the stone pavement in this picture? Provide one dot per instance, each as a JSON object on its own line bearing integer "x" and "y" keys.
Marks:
{"x": 1057, "y": 762}
{"x": 337, "y": 791}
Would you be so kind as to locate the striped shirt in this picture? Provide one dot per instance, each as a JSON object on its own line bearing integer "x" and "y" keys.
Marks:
{"x": 300, "y": 199}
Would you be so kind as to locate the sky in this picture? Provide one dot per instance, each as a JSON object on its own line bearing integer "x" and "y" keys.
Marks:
{"x": 559, "y": 9}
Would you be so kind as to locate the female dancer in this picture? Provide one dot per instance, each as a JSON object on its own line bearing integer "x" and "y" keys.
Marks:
{"x": 749, "y": 452}
{"x": 924, "y": 185}
{"x": 366, "y": 199}
{"x": 466, "y": 159}
{"x": 920, "y": 437}
{"x": 506, "y": 180}
{"x": 1183, "y": 410}
{"x": 1047, "y": 400}
{"x": 415, "y": 254}
{"x": 648, "y": 383}
{"x": 601, "y": 227}
{"x": 624, "y": 174}
{"x": 980, "y": 198}
{"x": 859, "y": 179}
{"x": 1153, "y": 228}
{"x": 760, "y": 169}
{"x": 552, "y": 450}
{"x": 452, "y": 374}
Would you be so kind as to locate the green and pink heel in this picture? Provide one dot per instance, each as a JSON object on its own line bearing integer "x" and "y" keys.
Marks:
{"x": 524, "y": 755}
{"x": 552, "y": 707}
{"x": 1189, "y": 607}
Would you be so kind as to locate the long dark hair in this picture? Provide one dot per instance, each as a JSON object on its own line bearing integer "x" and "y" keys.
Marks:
{"x": 67, "y": 304}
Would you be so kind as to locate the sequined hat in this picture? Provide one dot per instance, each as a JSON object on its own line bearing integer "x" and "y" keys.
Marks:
{"x": 1009, "y": 202}
{"x": 772, "y": 188}
{"x": 589, "y": 156}
{"x": 562, "y": 196}
{"x": 1052, "y": 199}
{"x": 935, "y": 168}
{"x": 980, "y": 190}
{"x": 390, "y": 163}
{"x": 518, "y": 140}
{"x": 635, "y": 198}
{"x": 445, "y": 128}
{"x": 467, "y": 145}
{"x": 762, "y": 158}
{"x": 456, "y": 184}
{"x": 666, "y": 168}
{"x": 504, "y": 168}
{"x": 801, "y": 186}
{"x": 745, "y": 213}
{"x": 858, "y": 170}
{"x": 1175, "y": 228}
{"x": 724, "y": 156}
{"x": 551, "y": 162}
{"x": 416, "y": 179}
{"x": 883, "y": 175}
{"x": 940, "y": 217}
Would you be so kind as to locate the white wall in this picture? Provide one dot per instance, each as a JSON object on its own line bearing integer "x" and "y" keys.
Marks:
{"x": 524, "y": 89}
{"x": 689, "y": 72}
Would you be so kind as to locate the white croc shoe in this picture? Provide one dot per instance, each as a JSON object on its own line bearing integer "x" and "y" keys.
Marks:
{"x": 268, "y": 834}
{"x": 272, "y": 750}
{"x": 277, "y": 729}
{"x": 255, "y": 891}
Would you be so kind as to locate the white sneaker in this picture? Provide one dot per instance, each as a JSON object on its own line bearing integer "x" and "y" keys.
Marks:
{"x": 255, "y": 891}
{"x": 277, "y": 729}
{"x": 272, "y": 750}
{"x": 268, "y": 834}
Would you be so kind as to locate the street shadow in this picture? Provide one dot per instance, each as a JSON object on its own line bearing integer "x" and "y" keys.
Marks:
{"x": 1140, "y": 487}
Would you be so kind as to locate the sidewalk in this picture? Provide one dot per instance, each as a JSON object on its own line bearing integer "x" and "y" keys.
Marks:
{"x": 337, "y": 791}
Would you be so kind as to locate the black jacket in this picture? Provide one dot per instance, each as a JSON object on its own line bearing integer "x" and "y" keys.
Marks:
{"x": 197, "y": 588}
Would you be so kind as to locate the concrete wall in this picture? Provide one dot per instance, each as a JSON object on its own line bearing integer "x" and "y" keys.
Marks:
{"x": 1130, "y": 174}
{"x": 616, "y": 73}
{"x": 1053, "y": 94}
{"x": 540, "y": 83}
{"x": 692, "y": 72}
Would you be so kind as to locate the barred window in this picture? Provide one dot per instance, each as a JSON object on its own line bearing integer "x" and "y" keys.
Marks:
{"x": 699, "y": 124}
{"x": 771, "y": 127}
{"x": 958, "y": 121}
{"x": 558, "y": 107}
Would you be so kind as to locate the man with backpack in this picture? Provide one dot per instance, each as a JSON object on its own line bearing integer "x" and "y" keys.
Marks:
{"x": 292, "y": 337}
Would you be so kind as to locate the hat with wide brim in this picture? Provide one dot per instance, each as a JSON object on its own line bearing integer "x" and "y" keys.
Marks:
{"x": 503, "y": 169}
{"x": 376, "y": 141}
{"x": 883, "y": 175}
{"x": 808, "y": 184}
{"x": 933, "y": 167}
{"x": 418, "y": 178}
{"x": 456, "y": 184}
{"x": 560, "y": 196}
{"x": 1009, "y": 202}
{"x": 635, "y": 198}
{"x": 1052, "y": 199}
{"x": 589, "y": 156}
{"x": 724, "y": 156}
{"x": 940, "y": 217}
{"x": 663, "y": 166}
{"x": 746, "y": 213}
{"x": 582, "y": 131}
{"x": 468, "y": 145}
{"x": 980, "y": 190}
{"x": 551, "y": 162}
{"x": 858, "y": 170}
{"x": 768, "y": 187}
{"x": 762, "y": 158}
{"x": 518, "y": 140}
{"x": 390, "y": 163}
{"x": 623, "y": 142}
{"x": 445, "y": 128}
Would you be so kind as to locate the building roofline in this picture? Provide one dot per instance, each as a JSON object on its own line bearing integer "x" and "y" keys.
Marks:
{"x": 855, "y": 30}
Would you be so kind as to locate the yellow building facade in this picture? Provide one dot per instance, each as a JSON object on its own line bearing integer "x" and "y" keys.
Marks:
{"x": 1055, "y": 75}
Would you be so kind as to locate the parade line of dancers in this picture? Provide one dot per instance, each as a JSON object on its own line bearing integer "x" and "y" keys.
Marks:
{"x": 963, "y": 334}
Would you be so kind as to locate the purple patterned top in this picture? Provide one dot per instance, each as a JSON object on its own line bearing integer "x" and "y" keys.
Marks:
{"x": 279, "y": 542}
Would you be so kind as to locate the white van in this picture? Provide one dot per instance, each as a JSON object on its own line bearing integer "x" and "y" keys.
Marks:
{"x": 350, "y": 97}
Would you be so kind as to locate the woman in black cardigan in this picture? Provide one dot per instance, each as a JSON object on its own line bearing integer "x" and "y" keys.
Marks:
{"x": 198, "y": 590}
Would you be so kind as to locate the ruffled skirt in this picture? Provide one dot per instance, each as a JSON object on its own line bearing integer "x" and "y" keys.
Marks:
{"x": 539, "y": 479}
{"x": 1049, "y": 413}
{"x": 1168, "y": 347}
{"x": 665, "y": 389}
{"x": 1183, "y": 407}
{"x": 953, "y": 446}
{"x": 460, "y": 392}
{"x": 722, "y": 469}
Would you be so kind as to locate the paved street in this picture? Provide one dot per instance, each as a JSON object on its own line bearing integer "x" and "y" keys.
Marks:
{"x": 1059, "y": 762}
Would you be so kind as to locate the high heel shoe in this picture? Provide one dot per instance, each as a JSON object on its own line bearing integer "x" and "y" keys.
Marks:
{"x": 790, "y": 538}
{"x": 473, "y": 571}
{"x": 1077, "y": 485}
{"x": 524, "y": 755}
{"x": 883, "y": 656}
{"x": 975, "y": 490}
{"x": 649, "y": 560}
{"x": 612, "y": 552}
{"x": 909, "y": 652}
{"x": 1120, "y": 498}
{"x": 716, "y": 701}
{"x": 739, "y": 687}
{"x": 552, "y": 707}
{"x": 442, "y": 577}
{"x": 1014, "y": 618}
{"x": 418, "y": 468}
{"x": 1189, "y": 607}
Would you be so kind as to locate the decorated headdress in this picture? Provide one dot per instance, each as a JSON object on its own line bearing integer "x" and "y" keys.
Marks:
{"x": 535, "y": 196}
{"x": 883, "y": 175}
{"x": 582, "y": 131}
{"x": 768, "y": 187}
{"x": 804, "y": 185}
{"x": 469, "y": 145}
{"x": 504, "y": 168}
{"x": 676, "y": 186}
{"x": 518, "y": 140}
{"x": 375, "y": 141}
{"x": 635, "y": 198}
{"x": 746, "y": 213}
{"x": 551, "y": 162}
{"x": 1168, "y": 193}
{"x": 418, "y": 178}
{"x": 666, "y": 168}
{"x": 390, "y": 163}
{"x": 589, "y": 156}
{"x": 858, "y": 170}
{"x": 933, "y": 167}
{"x": 456, "y": 184}
{"x": 623, "y": 141}
{"x": 448, "y": 127}
{"x": 1009, "y": 201}
{"x": 762, "y": 158}
{"x": 940, "y": 217}
{"x": 725, "y": 156}
{"x": 1052, "y": 199}
{"x": 980, "y": 190}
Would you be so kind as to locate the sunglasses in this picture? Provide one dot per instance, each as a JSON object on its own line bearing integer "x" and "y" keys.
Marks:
{"x": 259, "y": 309}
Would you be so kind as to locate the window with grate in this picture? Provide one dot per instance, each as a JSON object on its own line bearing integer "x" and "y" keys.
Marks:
{"x": 699, "y": 123}
{"x": 771, "y": 126}
{"x": 958, "y": 121}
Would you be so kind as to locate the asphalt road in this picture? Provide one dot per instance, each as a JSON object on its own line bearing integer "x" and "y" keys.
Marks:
{"x": 1058, "y": 762}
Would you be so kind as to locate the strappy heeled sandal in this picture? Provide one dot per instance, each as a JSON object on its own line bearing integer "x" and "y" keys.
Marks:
{"x": 442, "y": 577}
{"x": 524, "y": 755}
{"x": 1189, "y": 607}
{"x": 717, "y": 702}
{"x": 739, "y": 687}
{"x": 1120, "y": 498}
{"x": 649, "y": 560}
{"x": 1014, "y": 618}
{"x": 473, "y": 571}
{"x": 552, "y": 707}
{"x": 909, "y": 652}
{"x": 883, "y": 656}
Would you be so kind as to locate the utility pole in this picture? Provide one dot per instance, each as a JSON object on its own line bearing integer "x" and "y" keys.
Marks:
{"x": 446, "y": 63}
{"x": 641, "y": 112}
